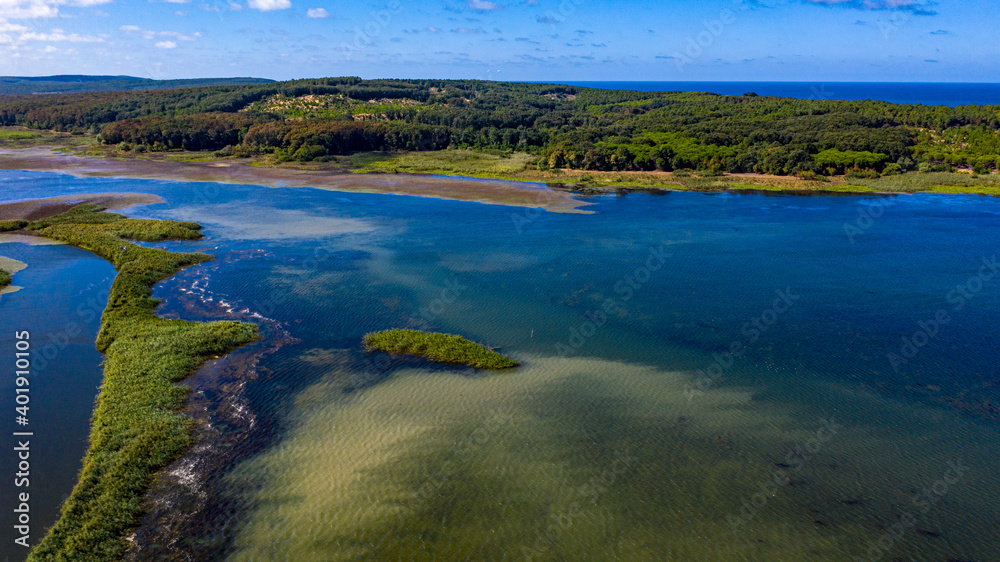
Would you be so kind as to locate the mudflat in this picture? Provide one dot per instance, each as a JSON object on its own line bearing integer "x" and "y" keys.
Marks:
{"x": 36, "y": 209}
{"x": 492, "y": 192}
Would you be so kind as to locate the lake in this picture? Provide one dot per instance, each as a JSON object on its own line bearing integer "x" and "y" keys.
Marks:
{"x": 705, "y": 376}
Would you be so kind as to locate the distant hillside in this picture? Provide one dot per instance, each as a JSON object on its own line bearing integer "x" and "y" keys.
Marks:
{"x": 63, "y": 84}
{"x": 561, "y": 126}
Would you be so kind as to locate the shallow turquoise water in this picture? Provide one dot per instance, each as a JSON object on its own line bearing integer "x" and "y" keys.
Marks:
{"x": 630, "y": 433}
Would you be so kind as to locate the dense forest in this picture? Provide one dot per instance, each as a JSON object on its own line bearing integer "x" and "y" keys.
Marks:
{"x": 563, "y": 126}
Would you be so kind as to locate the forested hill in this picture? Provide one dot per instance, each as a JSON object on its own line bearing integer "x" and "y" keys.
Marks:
{"x": 12, "y": 85}
{"x": 564, "y": 126}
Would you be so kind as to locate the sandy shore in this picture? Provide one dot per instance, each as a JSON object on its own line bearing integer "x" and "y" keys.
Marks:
{"x": 494, "y": 192}
{"x": 36, "y": 209}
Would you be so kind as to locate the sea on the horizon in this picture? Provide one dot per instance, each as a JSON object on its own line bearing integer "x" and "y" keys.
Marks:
{"x": 939, "y": 93}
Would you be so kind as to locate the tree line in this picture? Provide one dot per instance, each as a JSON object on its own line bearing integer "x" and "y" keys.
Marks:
{"x": 565, "y": 126}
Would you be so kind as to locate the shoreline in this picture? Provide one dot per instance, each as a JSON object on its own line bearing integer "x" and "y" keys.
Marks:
{"x": 137, "y": 428}
{"x": 489, "y": 191}
{"x": 37, "y": 209}
{"x": 436, "y": 176}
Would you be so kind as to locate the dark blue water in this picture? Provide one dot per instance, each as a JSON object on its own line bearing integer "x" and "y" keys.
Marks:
{"x": 623, "y": 319}
{"x": 64, "y": 292}
{"x": 953, "y": 94}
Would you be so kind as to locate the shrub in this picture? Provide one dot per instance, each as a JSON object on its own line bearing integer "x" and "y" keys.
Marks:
{"x": 892, "y": 169}
{"x": 7, "y": 226}
{"x": 861, "y": 174}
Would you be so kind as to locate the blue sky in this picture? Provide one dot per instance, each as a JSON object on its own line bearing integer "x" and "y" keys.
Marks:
{"x": 551, "y": 40}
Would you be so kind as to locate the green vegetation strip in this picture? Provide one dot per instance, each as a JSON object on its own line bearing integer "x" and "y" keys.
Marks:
{"x": 4, "y": 279}
{"x": 136, "y": 429}
{"x": 446, "y": 348}
{"x": 7, "y": 226}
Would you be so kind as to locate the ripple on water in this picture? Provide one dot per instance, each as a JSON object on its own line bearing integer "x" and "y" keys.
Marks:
{"x": 564, "y": 459}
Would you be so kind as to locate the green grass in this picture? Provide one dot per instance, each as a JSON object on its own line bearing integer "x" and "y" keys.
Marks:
{"x": 18, "y": 137}
{"x": 935, "y": 182}
{"x": 136, "y": 428}
{"x": 445, "y": 348}
{"x": 4, "y": 279}
{"x": 7, "y": 226}
{"x": 975, "y": 190}
{"x": 442, "y": 162}
{"x": 12, "y": 134}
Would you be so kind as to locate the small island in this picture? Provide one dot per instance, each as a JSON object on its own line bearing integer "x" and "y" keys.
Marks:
{"x": 445, "y": 348}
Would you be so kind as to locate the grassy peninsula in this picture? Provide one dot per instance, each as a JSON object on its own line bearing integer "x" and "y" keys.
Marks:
{"x": 445, "y": 348}
{"x": 136, "y": 429}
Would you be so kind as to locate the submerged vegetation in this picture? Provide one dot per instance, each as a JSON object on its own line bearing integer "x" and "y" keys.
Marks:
{"x": 445, "y": 348}
{"x": 136, "y": 428}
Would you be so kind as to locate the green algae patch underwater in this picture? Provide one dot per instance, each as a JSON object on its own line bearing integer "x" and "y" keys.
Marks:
{"x": 445, "y": 348}
{"x": 136, "y": 429}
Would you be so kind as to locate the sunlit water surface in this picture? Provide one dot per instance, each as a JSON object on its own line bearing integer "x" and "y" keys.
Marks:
{"x": 616, "y": 439}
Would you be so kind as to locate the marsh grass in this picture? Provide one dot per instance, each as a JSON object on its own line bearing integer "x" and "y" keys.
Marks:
{"x": 443, "y": 162}
{"x": 19, "y": 137}
{"x": 7, "y": 226}
{"x": 5, "y": 279}
{"x": 136, "y": 429}
{"x": 934, "y": 182}
{"x": 445, "y": 348}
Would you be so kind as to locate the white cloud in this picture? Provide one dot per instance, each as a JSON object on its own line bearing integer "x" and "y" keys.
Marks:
{"x": 150, "y": 34}
{"x": 60, "y": 35}
{"x": 482, "y": 5}
{"x": 14, "y": 34}
{"x": 235, "y": 6}
{"x": 269, "y": 5}
{"x": 30, "y": 9}
{"x": 166, "y": 45}
{"x": 317, "y": 13}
